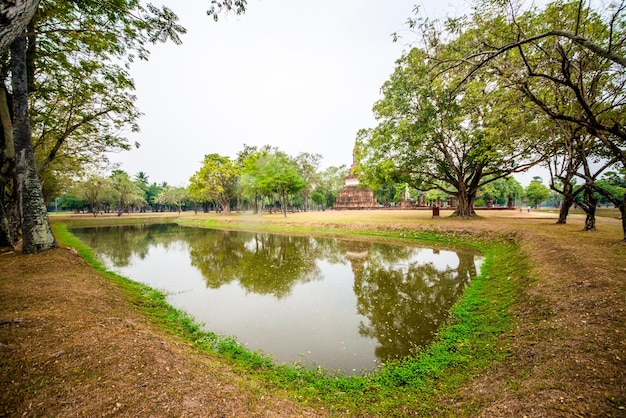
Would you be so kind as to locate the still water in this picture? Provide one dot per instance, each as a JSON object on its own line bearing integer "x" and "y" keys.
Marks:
{"x": 341, "y": 304}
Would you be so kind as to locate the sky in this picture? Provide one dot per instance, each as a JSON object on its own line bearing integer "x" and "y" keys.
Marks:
{"x": 300, "y": 75}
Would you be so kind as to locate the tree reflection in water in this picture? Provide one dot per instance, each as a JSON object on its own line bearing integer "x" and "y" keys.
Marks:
{"x": 404, "y": 294}
{"x": 401, "y": 294}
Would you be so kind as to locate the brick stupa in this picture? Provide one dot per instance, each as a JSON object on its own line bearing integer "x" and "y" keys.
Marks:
{"x": 352, "y": 196}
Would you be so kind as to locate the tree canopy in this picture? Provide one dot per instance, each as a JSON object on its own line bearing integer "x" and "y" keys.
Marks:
{"x": 434, "y": 135}
{"x": 499, "y": 90}
{"x": 217, "y": 179}
{"x": 78, "y": 98}
{"x": 568, "y": 60}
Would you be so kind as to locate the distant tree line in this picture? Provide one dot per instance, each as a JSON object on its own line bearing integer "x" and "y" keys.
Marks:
{"x": 258, "y": 180}
{"x": 269, "y": 180}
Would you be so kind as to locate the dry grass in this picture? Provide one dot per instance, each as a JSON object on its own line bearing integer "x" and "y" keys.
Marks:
{"x": 71, "y": 345}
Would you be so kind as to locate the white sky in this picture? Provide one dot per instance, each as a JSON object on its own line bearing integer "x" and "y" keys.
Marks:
{"x": 301, "y": 75}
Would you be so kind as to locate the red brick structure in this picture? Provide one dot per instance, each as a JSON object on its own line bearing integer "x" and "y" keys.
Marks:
{"x": 352, "y": 196}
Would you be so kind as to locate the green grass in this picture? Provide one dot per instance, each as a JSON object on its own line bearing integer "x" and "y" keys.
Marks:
{"x": 474, "y": 339}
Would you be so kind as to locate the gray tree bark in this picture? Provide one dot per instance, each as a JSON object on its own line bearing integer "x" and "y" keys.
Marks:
{"x": 7, "y": 165}
{"x": 36, "y": 231}
{"x": 14, "y": 16}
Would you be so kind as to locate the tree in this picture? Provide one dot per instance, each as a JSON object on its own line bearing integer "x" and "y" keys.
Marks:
{"x": 9, "y": 216}
{"x": 15, "y": 16}
{"x": 152, "y": 192}
{"x": 72, "y": 74}
{"x": 386, "y": 193}
{"x": 319, "y": 199}
{"x": 141, "y": 180}
{"x": 308, "y": 165}
{"x": 276, "y": 173}
{"x": 565, "y": 159}
{"x": 569, "y": 61}
{"x": 432, "y": 135}
{"x": 173, "y": 196}
{"x": 330, "y": 181}
{"x": 248, "y": 187}
{"x": 614, "y": 183}
{"x": 226, "y": 6}
{"x": 81, "y": 91}
{"x": 536, "y": 192}
{"x": 94, "y": 190}
{"x": 503, "y": 191}
{"x": 126, "y": 192}
{"x": 217, "y": 179}
{"x": 36, "y": 231}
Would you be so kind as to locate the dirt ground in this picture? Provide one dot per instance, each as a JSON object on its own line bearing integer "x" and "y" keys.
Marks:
{"x": 71, "y": 345}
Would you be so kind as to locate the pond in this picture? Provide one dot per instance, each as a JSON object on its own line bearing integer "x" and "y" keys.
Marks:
{"x": 345, "y": 305}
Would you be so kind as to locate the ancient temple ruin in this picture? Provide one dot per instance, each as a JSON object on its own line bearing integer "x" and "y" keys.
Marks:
{"x": 352, "y": 196}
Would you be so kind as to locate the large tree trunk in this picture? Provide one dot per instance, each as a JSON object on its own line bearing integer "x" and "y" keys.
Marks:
{"x": 305, "y": 195}
{"x": 7, "y": 170}
{"x": 225, "y": 204}
{"x": 569, "y": 197}
{"x": 6, "y": 238}
{"x": 283, "y": 203}
{"x": 36, "y": 231}
{"x": 465, "y": 202}
{"x": 622, "y": 210}
{"x": 591, "y": 202}
{"x": 568, "y": 201}
{"x": 14, "y": 16}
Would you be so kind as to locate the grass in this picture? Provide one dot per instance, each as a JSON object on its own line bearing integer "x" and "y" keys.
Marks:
{"x": 474, "y": 338}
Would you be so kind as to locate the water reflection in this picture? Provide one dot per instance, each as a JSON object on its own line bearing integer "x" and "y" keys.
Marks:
{"x": 341, "y": 304}
{"x": 261, "y": 263}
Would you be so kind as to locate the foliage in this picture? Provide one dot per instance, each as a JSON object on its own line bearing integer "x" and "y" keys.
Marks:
{"x": 174, "y": 197}
{"x": 308, "y": 164}
{"x": 94, "y": 190}
{"x": 319, "y": 199}
{"x": 226, "y": 6}
{"x": 330, "y": 182}
{"x": 82, "y": 102}
{"x": 217, "y": 179}
{"x": 79, "y": 89}
{"x": 613, "y": 183}
{"x": 278, "y": 174}
{"x": 536, "y": 192}
{"x": 271, "y": 173}
{"x": 434, "y": 135}
{"x": 568, "y": 60}
{"x": 554, "y": 68}
{"x": 501, "y": 190}
{"x": 125, "y": 192}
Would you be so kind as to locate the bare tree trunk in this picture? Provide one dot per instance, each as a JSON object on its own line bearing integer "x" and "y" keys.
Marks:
{"x": 14, "y": 16}
{"x": 569, "y": 197}
{"x": 7, "y": 171}
{"x": 225, "y": 203}
{"x": 568, "y": 201}
{"x": 36, "y": 231}
{"x": 6, "y": 238}
{"x": 591, "y": 202}
{"x": 283, "y": 203}
{"x": 622, "y": 210}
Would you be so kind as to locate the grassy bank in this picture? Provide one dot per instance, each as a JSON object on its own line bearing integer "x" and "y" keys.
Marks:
{"x": 475, "y": 338}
